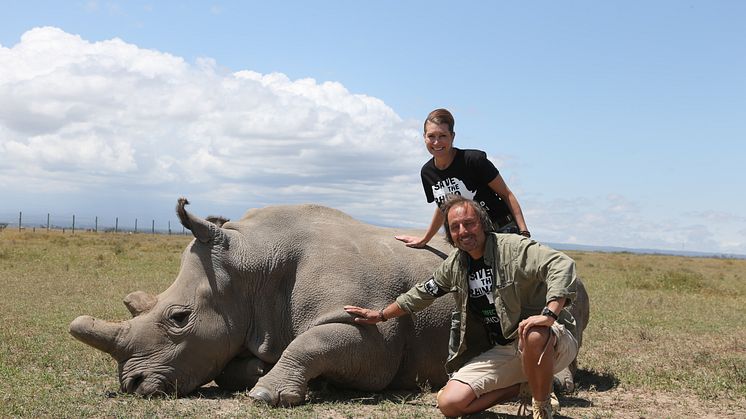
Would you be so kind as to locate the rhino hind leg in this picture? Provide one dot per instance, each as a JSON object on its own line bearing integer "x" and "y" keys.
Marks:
{"x": 346, "y": 354}
{"x": 564, "y": 381}
{"x": 242, "y": 373}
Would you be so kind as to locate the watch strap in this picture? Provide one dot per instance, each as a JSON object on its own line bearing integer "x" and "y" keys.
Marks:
{"x": 548, "y": 312}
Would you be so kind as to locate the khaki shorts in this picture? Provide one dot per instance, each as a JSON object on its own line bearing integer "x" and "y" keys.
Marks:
{"x": 501, "y": 366}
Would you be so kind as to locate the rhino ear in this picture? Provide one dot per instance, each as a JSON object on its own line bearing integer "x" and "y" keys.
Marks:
{"x": 217, "y": 220}
{"x": 139, "y": 302}
{"x": 204, "y": 230}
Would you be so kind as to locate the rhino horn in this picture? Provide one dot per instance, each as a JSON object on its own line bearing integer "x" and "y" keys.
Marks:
{"x": 100, "y": 334}
{"x": 202, "y": 229}
{"x": 139, "y": 302}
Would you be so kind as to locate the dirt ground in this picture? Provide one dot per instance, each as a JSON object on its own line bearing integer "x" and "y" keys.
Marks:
{"x": 614, "y": 403}
{"x": 600, "y": 396}
{"x": 596, "y": 397}
{"x": 617, "y": 402}
{"x": 621, "y": 403}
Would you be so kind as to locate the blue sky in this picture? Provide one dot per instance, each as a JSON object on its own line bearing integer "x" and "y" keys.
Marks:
{"x": 615, "y": 123}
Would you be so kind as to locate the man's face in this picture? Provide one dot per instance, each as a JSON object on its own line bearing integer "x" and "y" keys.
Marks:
{"x": 466, "y": 230}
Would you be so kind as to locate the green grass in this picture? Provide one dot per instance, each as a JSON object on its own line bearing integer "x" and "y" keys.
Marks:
{"x": 667, "y": 323}
{"x": 658, "y": 323}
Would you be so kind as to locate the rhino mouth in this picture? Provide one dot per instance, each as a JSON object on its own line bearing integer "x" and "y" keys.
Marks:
{"x": 147, "y": 385}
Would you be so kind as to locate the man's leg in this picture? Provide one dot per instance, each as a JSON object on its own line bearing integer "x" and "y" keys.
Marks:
{"x": 540, "y": 374}
{"x": 458, "y": 399}
{"x": 487, "y": 379}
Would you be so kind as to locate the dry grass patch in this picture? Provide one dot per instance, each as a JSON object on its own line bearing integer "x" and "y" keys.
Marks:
{"x": 663, "y": 328}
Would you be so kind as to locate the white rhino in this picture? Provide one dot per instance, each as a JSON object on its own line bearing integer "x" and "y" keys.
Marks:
{"x": 258, "y": 304}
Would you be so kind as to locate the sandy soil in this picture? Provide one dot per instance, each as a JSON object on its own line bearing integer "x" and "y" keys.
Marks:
{"x": 596, "y": 397}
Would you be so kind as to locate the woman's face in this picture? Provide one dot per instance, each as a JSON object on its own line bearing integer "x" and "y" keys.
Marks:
{"x": 438, "y": 139}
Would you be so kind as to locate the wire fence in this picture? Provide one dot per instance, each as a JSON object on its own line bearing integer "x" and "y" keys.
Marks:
{"x": 71, "y": 223}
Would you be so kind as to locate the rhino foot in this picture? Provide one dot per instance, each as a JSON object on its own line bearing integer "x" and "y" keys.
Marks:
{"x": 271, "y": 398}
{"x": 564, "y": 382}
{"x": 262, "y": 395}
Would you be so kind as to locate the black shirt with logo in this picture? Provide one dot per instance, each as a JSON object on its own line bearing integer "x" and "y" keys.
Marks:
{"x": 481, "y": 303}
{"x": 468, "y": 175}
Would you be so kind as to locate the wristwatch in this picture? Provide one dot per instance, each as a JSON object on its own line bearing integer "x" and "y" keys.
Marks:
{"x": 548, "y": 312}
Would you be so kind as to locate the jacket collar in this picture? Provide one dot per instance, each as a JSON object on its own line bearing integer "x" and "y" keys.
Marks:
{"x": 490, "y": 244}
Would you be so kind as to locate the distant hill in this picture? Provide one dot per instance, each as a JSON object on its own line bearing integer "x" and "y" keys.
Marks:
{"x": 612, "y": 249}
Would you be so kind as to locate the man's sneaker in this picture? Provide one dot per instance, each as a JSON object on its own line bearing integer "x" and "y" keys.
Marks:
{"x": 555, "y": 403}
{"x": 525, "y": 400}
{"x": 543, "y": 409}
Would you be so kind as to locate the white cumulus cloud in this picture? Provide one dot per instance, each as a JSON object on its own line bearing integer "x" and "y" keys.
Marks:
{"x": 90, "y": 117}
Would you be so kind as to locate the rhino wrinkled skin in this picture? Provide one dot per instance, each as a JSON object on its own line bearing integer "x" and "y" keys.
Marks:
{"x": 257, "y": 304}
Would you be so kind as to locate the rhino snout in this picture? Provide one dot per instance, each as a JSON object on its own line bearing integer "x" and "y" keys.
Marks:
{"x": 144, "y": 384}
{"x": 132, "y": 384}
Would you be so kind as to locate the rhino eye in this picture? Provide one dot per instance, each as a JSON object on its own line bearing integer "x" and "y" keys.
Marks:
{"x": 180, "y": 318}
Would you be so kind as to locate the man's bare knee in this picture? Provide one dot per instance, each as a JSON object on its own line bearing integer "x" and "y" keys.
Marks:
{"x": 536, "y": 340}
{"x": 450, "y": 406}
{"x": 454, "y": 398}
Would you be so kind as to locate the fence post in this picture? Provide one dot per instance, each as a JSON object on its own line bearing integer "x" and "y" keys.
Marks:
{"x": 20, "y": 219}
{"x": 73, "y": 224}
{"x": 47, "y": 222}
{"x": 116, "y": 225}
{"x": 96, "y": 225}
{"x": 135, "y": 225}
{"x": 152, "y": 228}
{"x": 169, "y": 227}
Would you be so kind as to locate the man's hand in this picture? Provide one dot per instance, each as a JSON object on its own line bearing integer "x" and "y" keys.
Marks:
{"x": 411, "y": 241}
{"x": 364, "y": 315}
{"x": 533, "y": 321}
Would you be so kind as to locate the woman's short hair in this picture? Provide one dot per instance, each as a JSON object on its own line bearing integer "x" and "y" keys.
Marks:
{"x": 440, "y": 116}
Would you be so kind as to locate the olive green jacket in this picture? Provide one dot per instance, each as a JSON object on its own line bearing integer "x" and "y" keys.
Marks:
{"x": 527, "y": 276}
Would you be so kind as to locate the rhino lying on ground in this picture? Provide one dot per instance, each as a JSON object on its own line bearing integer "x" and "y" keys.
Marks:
{"x": 258, "y": 304}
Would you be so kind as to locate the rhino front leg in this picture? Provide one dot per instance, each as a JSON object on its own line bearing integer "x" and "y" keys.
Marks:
{"x": 242, "y": 373}
{"x": 355, "y": 356}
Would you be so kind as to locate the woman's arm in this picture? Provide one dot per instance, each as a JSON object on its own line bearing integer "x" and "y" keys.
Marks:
{"x": 435, "y": 225}
{"x": 501, "y": 189}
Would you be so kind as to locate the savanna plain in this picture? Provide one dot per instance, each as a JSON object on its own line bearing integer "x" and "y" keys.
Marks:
{"x": 667, "y": 337}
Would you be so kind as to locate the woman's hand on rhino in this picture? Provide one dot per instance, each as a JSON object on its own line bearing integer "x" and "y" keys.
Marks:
{"x": 411, "y": 241}
{"x": 363, "y": 315}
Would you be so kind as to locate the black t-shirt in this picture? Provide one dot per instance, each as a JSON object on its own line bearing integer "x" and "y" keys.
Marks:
{"x": 468, "y": 175}
{"x": 481, "y": 302}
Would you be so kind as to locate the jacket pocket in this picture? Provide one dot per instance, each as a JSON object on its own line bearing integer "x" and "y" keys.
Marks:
{"x": 510, "y": 297}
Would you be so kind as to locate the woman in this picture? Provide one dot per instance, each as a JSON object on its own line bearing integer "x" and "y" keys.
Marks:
{"x": 465, "y": 172}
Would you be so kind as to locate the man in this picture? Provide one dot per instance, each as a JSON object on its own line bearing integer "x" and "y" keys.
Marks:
{"x": 513, "y": 327}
